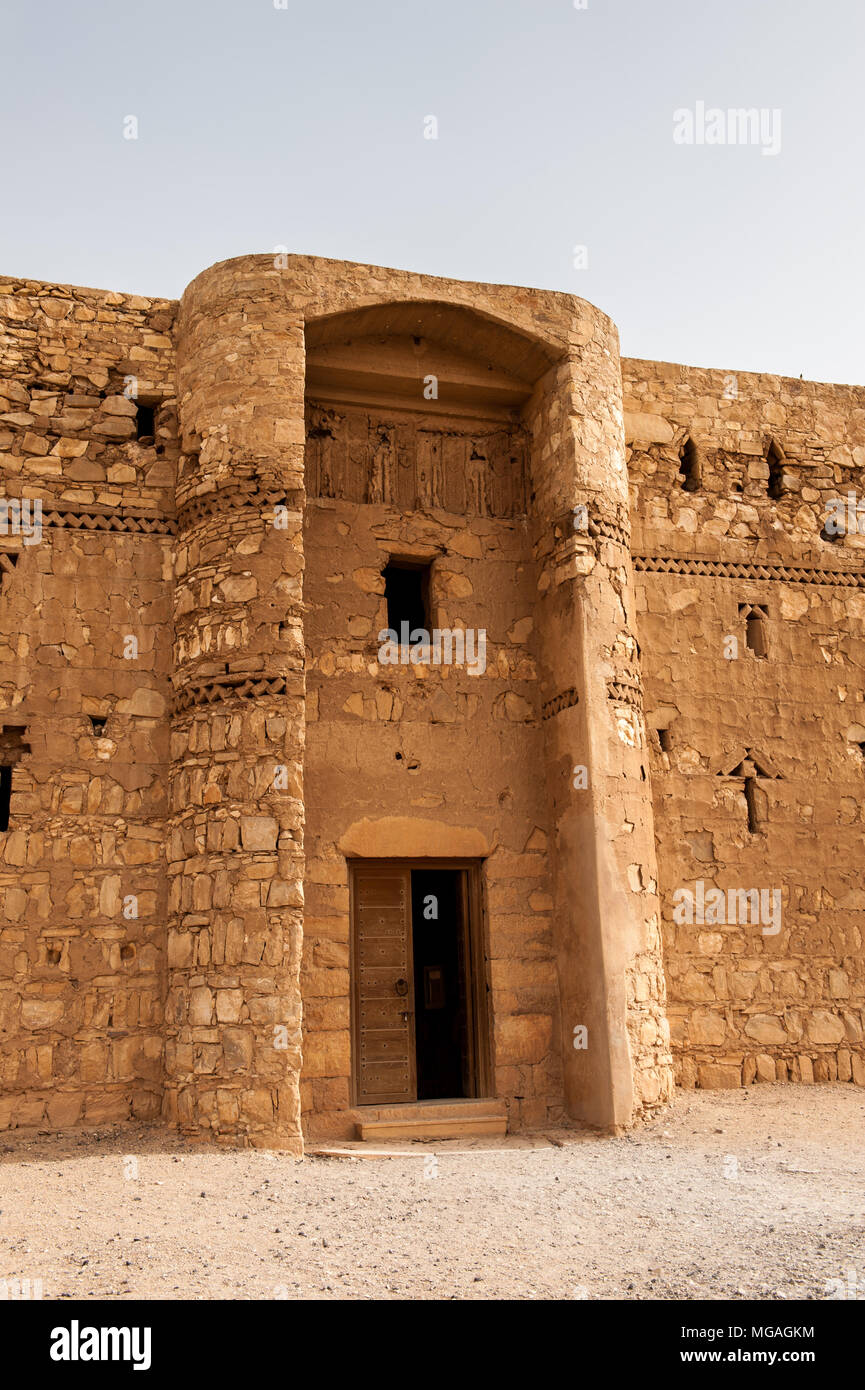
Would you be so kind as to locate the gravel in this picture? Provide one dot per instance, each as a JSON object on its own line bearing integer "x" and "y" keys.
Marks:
{"x": 752, "y": 1193}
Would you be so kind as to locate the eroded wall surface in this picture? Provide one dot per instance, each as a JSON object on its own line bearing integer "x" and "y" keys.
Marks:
{"x": 584, "y": 709}
{"x": 784, "y": 997}
{"x": 434, "y": 747}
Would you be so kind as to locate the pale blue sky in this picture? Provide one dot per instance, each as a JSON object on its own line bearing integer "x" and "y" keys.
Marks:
{"x": 304, "y": 127}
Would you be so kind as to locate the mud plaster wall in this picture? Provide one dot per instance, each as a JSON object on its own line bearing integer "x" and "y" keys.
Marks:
{"x": 578, "y": 441}
{"x": 81, "y": 975}
{"x": 608, "y": 942}
{"x": 745, "y": 1005}
{"x": 436, "y": 746}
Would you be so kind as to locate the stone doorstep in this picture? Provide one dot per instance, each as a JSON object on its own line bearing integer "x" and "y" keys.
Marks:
{"x": 432, "y": 1119}
{"x": 473, "y": 1146}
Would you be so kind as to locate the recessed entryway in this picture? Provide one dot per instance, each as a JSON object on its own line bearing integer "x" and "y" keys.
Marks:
{"x": 419, "y": 991}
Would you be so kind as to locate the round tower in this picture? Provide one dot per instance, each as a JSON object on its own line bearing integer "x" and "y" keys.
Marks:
{"x": 235, "y": 848}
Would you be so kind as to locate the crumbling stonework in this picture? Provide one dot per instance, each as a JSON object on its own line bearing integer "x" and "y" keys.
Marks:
{"x": 83, "y": 979}
{"x": 202, "y": 739}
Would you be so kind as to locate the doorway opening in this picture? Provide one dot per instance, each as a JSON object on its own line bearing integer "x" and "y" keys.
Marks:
{"x": 419, "y": 997}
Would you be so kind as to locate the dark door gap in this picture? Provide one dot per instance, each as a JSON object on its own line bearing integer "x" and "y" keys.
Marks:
{"x": 440, "y": 985}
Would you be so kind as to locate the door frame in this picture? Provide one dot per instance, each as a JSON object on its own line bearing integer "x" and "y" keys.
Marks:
{"x": 476, "y": 955}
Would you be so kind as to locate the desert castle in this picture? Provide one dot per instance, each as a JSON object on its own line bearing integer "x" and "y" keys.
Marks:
{"x": 268, "y": 868}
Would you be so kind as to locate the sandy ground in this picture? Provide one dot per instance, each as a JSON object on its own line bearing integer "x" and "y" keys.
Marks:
{"x": 755, "y": 1194}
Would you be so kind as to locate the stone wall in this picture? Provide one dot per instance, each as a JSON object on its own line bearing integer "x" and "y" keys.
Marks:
{"x": 235, "y": 847}
{"x": 744, "y": 1003}
{"x": 86, "y": 636}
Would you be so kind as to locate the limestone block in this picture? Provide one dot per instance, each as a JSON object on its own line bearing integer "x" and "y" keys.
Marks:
{"x": 29, "y": 1111}
{"x": 229, "y": 1005}
{"x": 63, "y": 1109}
{"x": 114, "y": 427}
{"x": 705, "y": 1026}
{"x": 119, "y": 405}
{"x": 839, "y": 981}
{"x": 259, "y": 832}
{"x": 765, "y": 1067}
{"x": 106, "y": 1107}
{"x": 719, "y": 1076}
{"x": 200, "y": 1006}
{"x": 647, "y": 429}
{"x": 41, "y": 1013}
{"x": 327, "y": 1054}
{"x": 825, "y": 1027}
{"x": 239, "y": 588}
{"x": 766, "y": 1028}
{"x": 257, "y": 1105}
{"x": 522, "y": 1038}
{"x": 237, "y": 1046}
{"x": 149, "y": 703}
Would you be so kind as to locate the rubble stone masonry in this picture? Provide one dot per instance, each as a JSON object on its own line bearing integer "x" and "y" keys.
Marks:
{"x": 744, "y": 1004}
{"x": 197, "y": 736}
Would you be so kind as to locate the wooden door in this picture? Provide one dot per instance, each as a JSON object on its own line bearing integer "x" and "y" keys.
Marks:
{"x": 383, "y": 986}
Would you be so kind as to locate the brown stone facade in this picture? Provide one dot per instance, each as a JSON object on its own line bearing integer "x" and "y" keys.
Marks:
{"x": 200, "y": 740}
{"x": 772, "y": 456}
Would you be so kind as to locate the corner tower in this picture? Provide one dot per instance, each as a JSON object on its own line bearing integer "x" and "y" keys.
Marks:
{"x": 235, "y": 846}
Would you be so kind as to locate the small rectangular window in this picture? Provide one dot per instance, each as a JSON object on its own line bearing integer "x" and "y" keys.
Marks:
{"x": 406, "y": 591}
{"x": 146, "y": 423}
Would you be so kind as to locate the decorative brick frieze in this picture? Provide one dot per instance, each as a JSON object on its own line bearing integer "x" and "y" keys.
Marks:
{"x": 626, "y": 689}
{"x": 566, "y": 700}
{"x": 735, "y": 569}
{"x": 228, "y": 688}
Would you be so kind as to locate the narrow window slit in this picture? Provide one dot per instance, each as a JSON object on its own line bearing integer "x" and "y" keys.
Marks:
{"x": 689, "y": 467}
{"x": 146, "y": 423}
{"x": 775, "y": 461}
{"x": 756, "y": 640}
{"x": 5, "y": 796}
